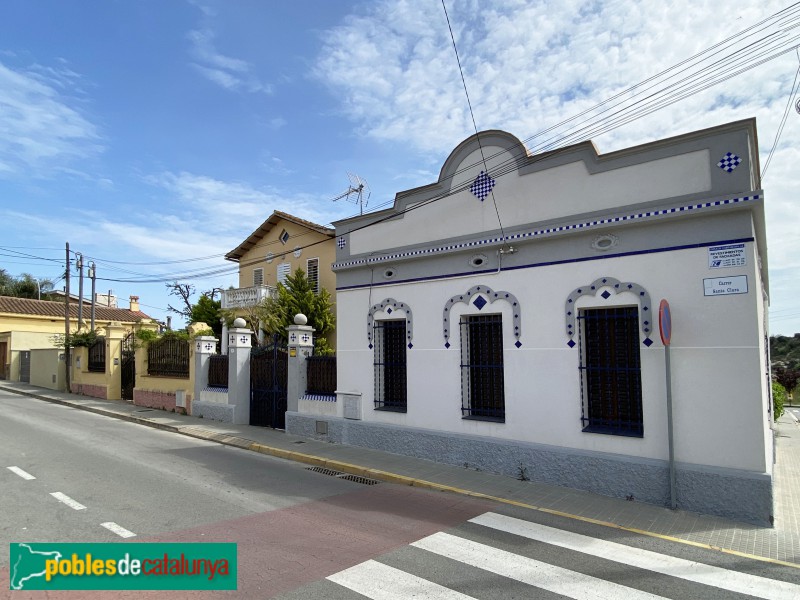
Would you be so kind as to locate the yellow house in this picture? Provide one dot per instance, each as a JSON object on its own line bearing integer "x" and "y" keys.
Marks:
{"x": 276, "y": 249}
{"x": 27, "y": 325}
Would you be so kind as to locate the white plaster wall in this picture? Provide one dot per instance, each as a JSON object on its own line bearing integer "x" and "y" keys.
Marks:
{"x": 318, "y": 407}
{"x": 530, "y": 198}
{"x": 717, "y": 390}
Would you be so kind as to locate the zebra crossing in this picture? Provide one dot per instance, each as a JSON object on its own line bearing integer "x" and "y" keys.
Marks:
{"x": 499, "y": 556}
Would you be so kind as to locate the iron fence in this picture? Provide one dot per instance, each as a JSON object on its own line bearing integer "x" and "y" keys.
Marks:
{"x": 97, "y": 356}
{"x": 218, "y": 371}
{"x": 168, "y": 357}
{"x": 321, "y": 375}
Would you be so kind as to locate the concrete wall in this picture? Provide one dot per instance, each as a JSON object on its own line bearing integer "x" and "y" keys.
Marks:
{"x": 48, "y": 369}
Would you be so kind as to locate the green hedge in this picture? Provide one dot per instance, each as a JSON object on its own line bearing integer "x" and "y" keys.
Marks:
{"x": 778, "y": 399}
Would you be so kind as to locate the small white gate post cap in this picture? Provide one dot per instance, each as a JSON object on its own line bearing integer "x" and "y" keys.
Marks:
{"x": 300, "y": 319}
{"x": 239, "y": 322}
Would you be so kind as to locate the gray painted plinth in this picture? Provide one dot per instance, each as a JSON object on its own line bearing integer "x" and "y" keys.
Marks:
{"x": 213, "y": 410}
{"x": 729, "y": 493}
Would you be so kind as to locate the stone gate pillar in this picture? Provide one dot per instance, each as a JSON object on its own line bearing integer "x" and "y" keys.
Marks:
{"x": 239, "y": 346}
{"x": 301, "y": 346}
{"x": 204, "y": 347}
{"x": 115, "y": 333}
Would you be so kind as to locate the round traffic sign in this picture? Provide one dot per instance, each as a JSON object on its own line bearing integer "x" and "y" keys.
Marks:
{"x": 665, "y": 322}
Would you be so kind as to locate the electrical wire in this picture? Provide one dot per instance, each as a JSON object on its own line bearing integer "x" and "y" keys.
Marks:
{"x": 762, "y": 50}
{"x": 472, "y": 115}
{"x": 780, "y": 127}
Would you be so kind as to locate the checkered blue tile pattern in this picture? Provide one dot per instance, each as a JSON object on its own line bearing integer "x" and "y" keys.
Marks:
{"x": 389, "y": 305}
{"x": 341, "y": 242}
{"x": 482, "y": 186}
{"x": 320, "y": 397}
{"x": 483, "y": 295}
{"x": 702, "y": 206}
{"x": 729, "y": 162}
{"x": 616, "y": 286}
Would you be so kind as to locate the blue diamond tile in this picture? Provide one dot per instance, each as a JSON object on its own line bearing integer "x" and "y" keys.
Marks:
{"x": 479, "y": 302}
{"x": 518, "y": 344}
{"x": 729, "y": 162}
{"x": 389, "y": 311}
{"x": 410, "y": 345}
{"x": 482, "y": 186}
{"x": 370, "y": 346}
{"x": 606, "y": 294}
{"x": 571, "y": 343}
{"x": 447, "y": 345}
{"x": 648, "y": 342}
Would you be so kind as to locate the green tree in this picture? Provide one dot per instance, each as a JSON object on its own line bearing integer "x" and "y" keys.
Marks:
{"x": 207, "y": 310}
{"x": 24, "y": 286}
{"x": 297, "y": 296}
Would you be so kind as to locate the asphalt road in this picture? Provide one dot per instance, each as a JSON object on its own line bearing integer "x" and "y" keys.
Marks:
{"x": 303, "y": 534}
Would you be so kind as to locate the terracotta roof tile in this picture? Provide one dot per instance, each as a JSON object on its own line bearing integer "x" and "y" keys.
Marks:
{"x": 47, "y": 308}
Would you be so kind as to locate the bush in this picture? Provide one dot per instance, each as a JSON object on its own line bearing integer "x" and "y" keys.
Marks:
{"x": 74, "y": 340}
{"x": 146, "y": 335}
{"x": 778, "y": 399}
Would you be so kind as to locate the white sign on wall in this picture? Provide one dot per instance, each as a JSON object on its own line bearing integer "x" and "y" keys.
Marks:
{"x": 730, "y": 255}
{"x": 722, "y": 286}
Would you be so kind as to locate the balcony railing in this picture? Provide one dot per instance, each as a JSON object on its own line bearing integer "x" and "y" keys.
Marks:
{"x": 249, "y": 296}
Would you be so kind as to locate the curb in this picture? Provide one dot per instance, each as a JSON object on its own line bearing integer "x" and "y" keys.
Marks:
{"x": 385, "y": 476}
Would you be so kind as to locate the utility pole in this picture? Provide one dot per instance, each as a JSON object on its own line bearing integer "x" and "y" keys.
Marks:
{"x": 93, "y": 274}
{"x": 79, "y": 265}
{"x": 67, "y": 363}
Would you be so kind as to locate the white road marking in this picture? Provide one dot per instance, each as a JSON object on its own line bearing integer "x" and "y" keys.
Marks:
{"x": 67, "y": 500}
{"x": 381, "y": 582}
{"x": 120, "y": 531}
{"x": 527, "y": 570}
{"x": 733, "y": 581}
{"x": 21, "y": 473}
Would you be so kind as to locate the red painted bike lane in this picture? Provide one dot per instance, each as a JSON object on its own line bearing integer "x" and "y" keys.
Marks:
{"x": 281, "y": 550}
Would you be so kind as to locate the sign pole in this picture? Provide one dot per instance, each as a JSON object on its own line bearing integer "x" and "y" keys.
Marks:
{"x": 665, "y": 326}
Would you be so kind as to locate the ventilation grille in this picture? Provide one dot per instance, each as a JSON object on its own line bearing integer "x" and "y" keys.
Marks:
{"x": 346, "y": 476}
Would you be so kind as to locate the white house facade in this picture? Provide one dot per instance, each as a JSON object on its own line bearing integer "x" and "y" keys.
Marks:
{"x": 506, "y": 318}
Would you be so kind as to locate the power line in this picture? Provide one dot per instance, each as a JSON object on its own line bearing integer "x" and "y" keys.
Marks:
{"x": 764, "y": 49}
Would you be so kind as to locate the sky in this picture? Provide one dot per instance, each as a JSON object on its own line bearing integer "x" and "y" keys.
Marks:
{"x": 155, "y": 136}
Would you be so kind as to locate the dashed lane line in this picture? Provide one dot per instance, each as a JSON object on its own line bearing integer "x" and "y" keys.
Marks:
{"x": 21, "y": 473}
{"x": 67, "y": 500}
{"x": 119, "y": 530}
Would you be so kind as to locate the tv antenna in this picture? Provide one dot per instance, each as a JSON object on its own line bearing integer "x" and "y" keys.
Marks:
{"x": 357, "y": 192}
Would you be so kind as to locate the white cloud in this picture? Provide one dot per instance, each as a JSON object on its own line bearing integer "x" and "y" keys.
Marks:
{"x": 527, "y": 65}
{"x": 41, "y": 129}
{"x": 233, "y": 207}
{"x": 228, "y": 72}
{"x": 530, "y": 65}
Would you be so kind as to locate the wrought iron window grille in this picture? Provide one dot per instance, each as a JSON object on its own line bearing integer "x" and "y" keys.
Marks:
{"x": 389, "y": 338}
{"x": 610, "y": 367}
{"x": 482, "y": 371}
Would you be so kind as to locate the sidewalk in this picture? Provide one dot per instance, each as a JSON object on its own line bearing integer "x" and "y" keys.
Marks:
{"x": 782, "y": 543}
